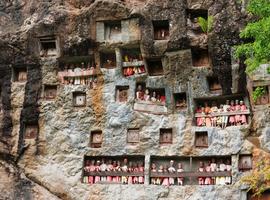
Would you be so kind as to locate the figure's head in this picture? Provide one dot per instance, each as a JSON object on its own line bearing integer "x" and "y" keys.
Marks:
{"x": 139, "y": 88}
{"x": 232, "y": 102}
{"x": 227, "y": 102}
{"x": 201, "y": 164}
{"x": 125, "y": 161}
{"x": 241, "y": 103}
{"x": 87, "y": 163}
{"x": 154, "y": 166}
{"x": 171, "y": 163}
{"x": 180, "y": 165}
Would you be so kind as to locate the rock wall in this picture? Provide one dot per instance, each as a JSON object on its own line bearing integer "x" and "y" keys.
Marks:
{"x": 50, "y": 166}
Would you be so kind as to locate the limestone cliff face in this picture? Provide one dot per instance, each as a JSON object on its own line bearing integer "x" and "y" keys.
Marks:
{"x": 50, "y": 166}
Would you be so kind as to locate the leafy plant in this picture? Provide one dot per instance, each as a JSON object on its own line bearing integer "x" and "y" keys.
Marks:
{"x": 258, "y": 92}
{"x": 259, "y": 179}
{"x": 268, "y": 70}
{"x": 210, "y": 23}
{"x": 257, "y": 50}
{"x": 206, "y": 24}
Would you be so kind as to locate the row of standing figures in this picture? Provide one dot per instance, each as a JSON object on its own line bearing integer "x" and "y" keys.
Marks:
{"x": 114, "y": 166}
{"x": 223, "y": 120}
{"x": 211, "y": 166}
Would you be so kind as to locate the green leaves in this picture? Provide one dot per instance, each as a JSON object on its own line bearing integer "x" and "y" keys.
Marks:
{"x": 258, "y": 92}
{"x": 258, "y": 51}
{"x": 203, "y": 24}
{"x": 206, "y": 24}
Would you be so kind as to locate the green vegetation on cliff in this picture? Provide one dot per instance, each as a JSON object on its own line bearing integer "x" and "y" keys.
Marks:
{"x": 257, "y": 51}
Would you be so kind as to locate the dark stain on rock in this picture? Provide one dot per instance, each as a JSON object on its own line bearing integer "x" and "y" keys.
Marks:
{"x": 30, "y": 111}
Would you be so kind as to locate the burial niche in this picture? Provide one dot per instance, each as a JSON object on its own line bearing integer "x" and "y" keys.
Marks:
{"x": 96, "y": 139}
{"x": 133, "y": 63}
{"x": 154, "y": 67}
{"x": 108, "y": 59}
{"x": 48, "y": 46}
{"x": 50, "y": 91}
{"x": 78, "y": 70}
{"x": 180, "y": 100}
{"x": 30, "y": 131}
{"x": 222, "y": 111}
{"x": 161, "y": 29}
{"x": 20, "y": 74}
{"x": 113, "y": 170}
{"x": 245, "y": 163}
{"x": 151, "y": 100}
{"x": 166, "y": 136}
{"x": 122, "y": 93}
{"x": 214, "y": 85}
{"x": 79, "y": 99}
{"x": 133, "y": 136}
{"x": 174, "y": 170}
{"x": 200, "y": 57}
{"x": 201, "y": 139}
{"x": 193, "y": 16}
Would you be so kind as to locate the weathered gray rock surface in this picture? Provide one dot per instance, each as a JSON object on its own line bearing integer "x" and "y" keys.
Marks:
{"x": 50, "y": 167}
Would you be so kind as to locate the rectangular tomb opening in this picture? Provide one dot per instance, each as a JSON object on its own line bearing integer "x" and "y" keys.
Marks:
{"x": 132, "y": 62}
{"x": 108, "y": 60}
{"x": 79, "y": 99}
{"x": 200, "y": 57}
{"x": 122, "y": 93}
{"x": 214, "y": 85}
{"x": 155, "y": 67}
{"x": 49, "y": 46}
{"x": 120, "y": 169}
{"x": 166, "y": 136}
{"x": 245, "y": 163}
{"x": 96, "y": 139}
{"x": 201, "y": 139}
{"x": 20, "y": 74}
{"x": 161, "y": 29}
{"x": 133, "y": 136}
{"x": 50, "y": 92}
{"x": 180, "y": 100}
